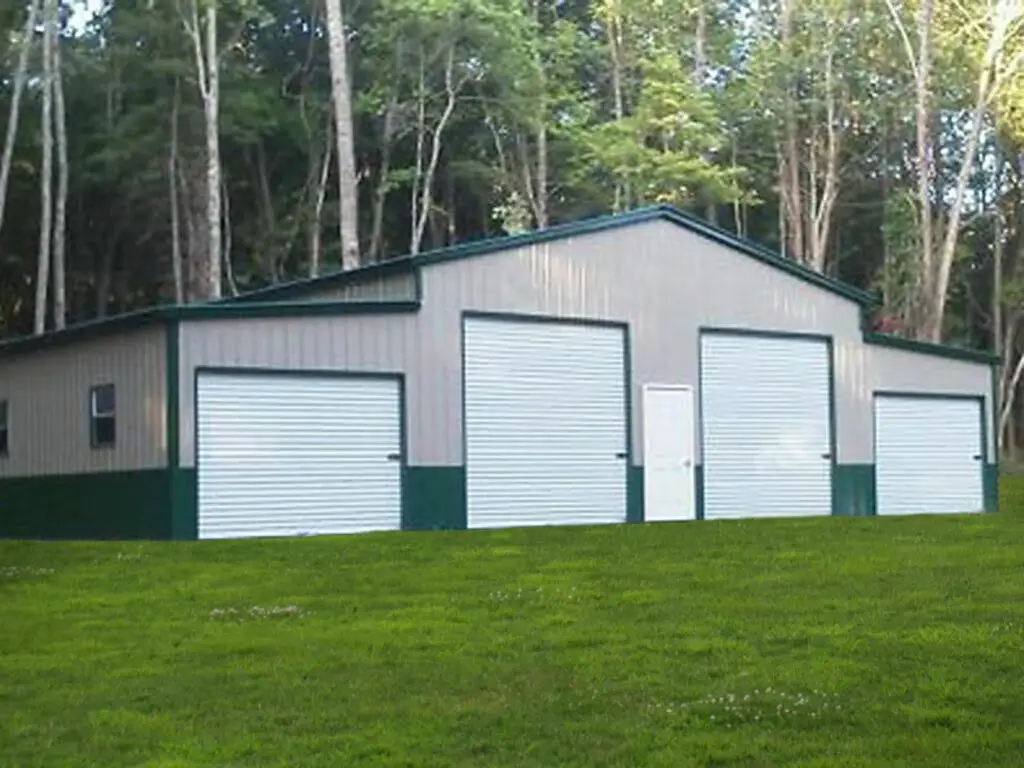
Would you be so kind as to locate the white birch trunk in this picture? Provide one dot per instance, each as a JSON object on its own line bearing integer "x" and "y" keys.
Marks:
{"x": 341, "y": 92}
{"x": 60, "y": 215}
{"x": 426, "y": 188}
{"x": 46, "y": 171}
{"x": 20, "y": 76}
{"x": 172, "y": 190}
{"x": 318, "y": 205}
{"x": 1005, "y": 15}
{"x": 213, "y": 184}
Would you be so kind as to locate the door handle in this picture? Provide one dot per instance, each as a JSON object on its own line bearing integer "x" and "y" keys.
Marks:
{"x": 621, "y": 455}
{"x": 977, "y": 457}
{"x": 394, "y": 457}
{"x": 826, "y": 455}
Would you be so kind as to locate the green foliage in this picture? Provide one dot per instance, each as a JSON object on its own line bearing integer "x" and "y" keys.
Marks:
{"x": 535, "y": 95}
{"x": 799, "y": 642}
{"x": 901, "y": 266}
{"x": 660, "y": 149}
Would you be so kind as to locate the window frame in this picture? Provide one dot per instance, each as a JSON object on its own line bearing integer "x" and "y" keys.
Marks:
{"x": 95, "y": 416}
{"x": 5, "y": 428}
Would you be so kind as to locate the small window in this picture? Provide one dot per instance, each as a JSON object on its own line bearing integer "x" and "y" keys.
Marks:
{"x": 101, "y": 411}
{"x": 3, "y": 428}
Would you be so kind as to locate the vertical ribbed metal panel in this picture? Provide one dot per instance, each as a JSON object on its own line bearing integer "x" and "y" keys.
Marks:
{"x": 48, "y": 393}
{"x": 928, "y": 455}
{"x": 545, "y": 423}
{"x": 766, "y": 426}
{"x": 286, "y": 455}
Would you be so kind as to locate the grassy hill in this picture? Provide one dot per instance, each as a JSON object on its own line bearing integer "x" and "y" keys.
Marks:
{"x": 822, "y": 642}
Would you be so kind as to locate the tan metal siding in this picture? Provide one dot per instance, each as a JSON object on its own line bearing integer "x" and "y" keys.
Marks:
{"x": 662, "y": 280}
{"x": 48, "y": 392}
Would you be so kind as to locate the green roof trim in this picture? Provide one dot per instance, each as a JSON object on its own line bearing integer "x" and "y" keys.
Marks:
{"x": 290, "y": 288}
{"x": 211, "y": 311}
{"x": 930, "y": 348}
{"x": 560, "y": 232}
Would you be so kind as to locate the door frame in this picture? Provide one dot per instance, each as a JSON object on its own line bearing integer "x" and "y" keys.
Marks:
{"x": 909, "y": 394}
{"x": 655, "y": 386}
{"x": 773, "y": 334}
{"x": 630, "y": 514}
{"x": 308, "y": 373}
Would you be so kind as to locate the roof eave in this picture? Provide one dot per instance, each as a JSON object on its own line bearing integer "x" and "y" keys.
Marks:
{"x": 930, "y": 348}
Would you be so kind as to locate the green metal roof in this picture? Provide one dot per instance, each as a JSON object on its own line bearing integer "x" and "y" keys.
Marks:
{"x": 560, "y": 232}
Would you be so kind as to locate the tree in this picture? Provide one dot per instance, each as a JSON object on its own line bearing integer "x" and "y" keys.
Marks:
{"x": 14, "y": 113}
{"x": 341, "y": 94}
{"x": 46, "y": 171}
{"x": 1000, "y": 21}
{"x": 207, "y": 61}
{"x": 60, "y": 213}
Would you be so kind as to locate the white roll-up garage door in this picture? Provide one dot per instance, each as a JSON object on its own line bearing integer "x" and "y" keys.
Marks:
{"x": 545, "y": 423}
{"x": 297, "y": 454}
{"x": 928, "y": 455}
{"x": 765, "y": 414}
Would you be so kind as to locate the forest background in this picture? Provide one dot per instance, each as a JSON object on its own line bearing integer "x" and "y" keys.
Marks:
{"x": 179, "y": 150}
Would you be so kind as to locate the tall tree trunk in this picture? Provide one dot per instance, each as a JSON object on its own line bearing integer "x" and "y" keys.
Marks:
{"x": 924, "y": 158}
{"x": 341, "y": 93}
{"x": 318, "y": 205}
{"x": 229, "y": 267}
{"x": 380, "y": 194}
{"x": 60, "y": 216}
{"x": 206, "y": 276}
{"x": 213, "y": 183}
{"x": 421, "y": 138}
{"x": 172, "y": 184}
{"x": 46, "y": 171}
{"x": 1004, "y": 16}
{"x": 789, "y": 181}
{"x": 611, "y": 13}
{"x": 20, "y": 76}
{"x": 540, "y": 194}
{"x": 541, "y": 213}
{"x": 270, "y": 239}
{"x": 700, "y": 73}
{"x": 820, "y": 215}
{"x": 451, "y": 89}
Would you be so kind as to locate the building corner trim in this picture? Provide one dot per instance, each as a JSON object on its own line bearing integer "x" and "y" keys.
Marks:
{"x": 179, "y": 527}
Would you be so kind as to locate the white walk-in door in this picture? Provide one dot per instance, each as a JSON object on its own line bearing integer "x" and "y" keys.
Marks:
{"x": 545, "y": 423}
{"x": 297, "y": 454}
{"x": 668, "y": 453}
{"x": 928, "y": 455}
{"x": 765, "y": 411}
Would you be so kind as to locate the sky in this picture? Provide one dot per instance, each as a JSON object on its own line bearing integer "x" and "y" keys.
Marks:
{"x": 82, "y": 11}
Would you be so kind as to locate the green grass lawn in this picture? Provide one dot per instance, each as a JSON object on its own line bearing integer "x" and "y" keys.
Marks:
{"x": 826, "y": 642}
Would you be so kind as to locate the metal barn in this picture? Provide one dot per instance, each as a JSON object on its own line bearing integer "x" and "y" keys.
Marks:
{"x": 631, "y": 368}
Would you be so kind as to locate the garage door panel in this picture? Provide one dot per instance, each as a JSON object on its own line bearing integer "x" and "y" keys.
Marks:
{"x": 928, "y": 455}
{"x": 545, "y": 423}
{"x": 765, "y": 413}
{"x": 302, "y": 454}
